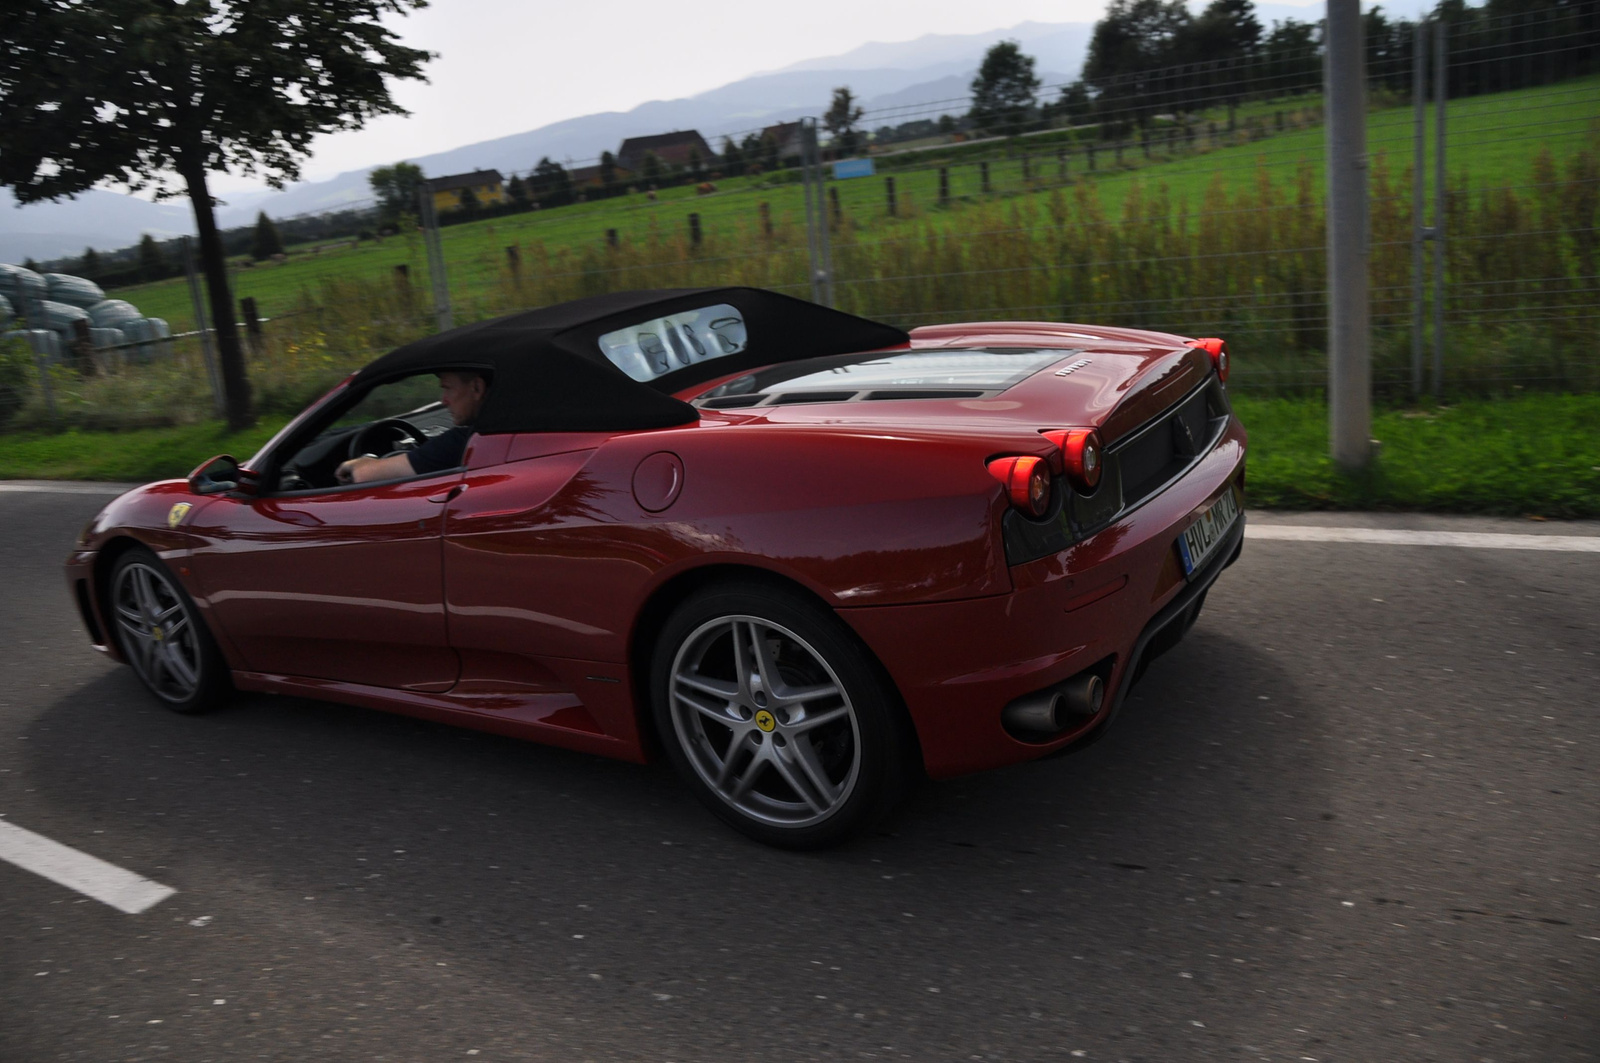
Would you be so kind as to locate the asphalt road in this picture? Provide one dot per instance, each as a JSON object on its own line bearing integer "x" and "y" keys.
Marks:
{"x": 1354, "y": 816}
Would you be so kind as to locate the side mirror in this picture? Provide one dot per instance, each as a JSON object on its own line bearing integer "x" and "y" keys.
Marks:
{"x": 222, "y": 475}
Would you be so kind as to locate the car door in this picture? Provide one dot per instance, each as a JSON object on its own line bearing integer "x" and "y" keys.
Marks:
{"x": 344, "y": 584}
{"x": 514, "y": 574}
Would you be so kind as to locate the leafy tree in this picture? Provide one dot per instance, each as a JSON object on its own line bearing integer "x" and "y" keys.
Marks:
{"x": 267, "y": 242}
{"x": 840, "y": 119}
{"x": 1074, "y": 104}
{"x": 518, "y": 192}
{"x": 770, "y": 159}
{"x": 732, "y": 158}
{"x": 152, "y": 260}
{"x": 1135, "y": 41}
{"x": 29, "y": 263}
{"x": 89, "y": 265}
{"x": 608, "y": 173}
{"x": 1003, "y": 91}
{"x": 697, "y": 165}
{"x": 468, "y": 200}
{"x": 550, "y": 183}
{"x": 1226, "y": 29}
{"x": 135, "y": 92}
{"x": 948, "y": 124}
{"x": 396, "y": 188}
{"x": 651, "y": 167}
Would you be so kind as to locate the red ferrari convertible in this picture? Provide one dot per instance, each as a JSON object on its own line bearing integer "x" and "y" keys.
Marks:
{"x": 805, "y": 555}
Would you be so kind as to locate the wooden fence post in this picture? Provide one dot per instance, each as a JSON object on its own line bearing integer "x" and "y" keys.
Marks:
{"x": 944, "y": 185}
{"x": 514, "y": 261}
{"x": 611, "y": 238}
{"x": 983, "y": 177}
{"x": 833, "y": 201}
{"x": 765, "y": 209}
{"x": 694, "y": 229}
{"x": 888, "y": 185}
{"x": 252, "y": 323}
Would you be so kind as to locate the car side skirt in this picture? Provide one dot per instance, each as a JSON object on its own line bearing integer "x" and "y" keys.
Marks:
{"x": 558, "y": 719}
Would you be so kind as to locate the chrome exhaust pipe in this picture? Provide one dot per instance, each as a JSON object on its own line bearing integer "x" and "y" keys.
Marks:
{"x": 1083, "y": 694}
{"x": 1040, "y": 713}
{"x": 1049, "y": 711}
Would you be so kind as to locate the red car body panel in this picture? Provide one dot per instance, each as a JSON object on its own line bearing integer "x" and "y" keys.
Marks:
{"x": 511, "y": 596}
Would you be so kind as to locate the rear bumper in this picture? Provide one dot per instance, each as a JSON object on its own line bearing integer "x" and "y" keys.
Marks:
{"x": 1111, "y": 600}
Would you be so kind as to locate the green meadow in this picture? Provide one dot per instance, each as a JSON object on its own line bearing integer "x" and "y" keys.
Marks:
{"x": 1494, "y": 141}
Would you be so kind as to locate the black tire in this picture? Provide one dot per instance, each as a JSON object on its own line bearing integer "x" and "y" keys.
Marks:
{"x": 801, "y": 766}
{"x": 162, "y": 635}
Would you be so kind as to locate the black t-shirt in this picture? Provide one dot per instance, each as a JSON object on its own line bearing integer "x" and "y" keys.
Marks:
{"x": 443, "y": 451}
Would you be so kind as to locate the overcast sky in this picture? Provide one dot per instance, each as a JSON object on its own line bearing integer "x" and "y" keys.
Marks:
{"x": 507, "y": 66}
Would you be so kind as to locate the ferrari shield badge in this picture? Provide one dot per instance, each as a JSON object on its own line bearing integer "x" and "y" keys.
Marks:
{"x": 178, "y": 511}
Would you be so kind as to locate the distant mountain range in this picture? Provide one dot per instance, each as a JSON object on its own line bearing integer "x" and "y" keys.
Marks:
{"x": 892, "y": 78}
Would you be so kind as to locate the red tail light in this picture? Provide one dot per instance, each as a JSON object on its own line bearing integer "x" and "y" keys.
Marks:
{"x": 1027, "y": 482}
{"x": 1218, "y": 349}
{"x": 1081, "y": 454}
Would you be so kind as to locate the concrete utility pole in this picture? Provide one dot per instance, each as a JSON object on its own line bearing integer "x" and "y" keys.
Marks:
{"x": 1349, "y": 331}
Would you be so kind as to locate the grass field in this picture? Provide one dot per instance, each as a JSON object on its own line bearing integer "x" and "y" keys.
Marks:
{"x": 1536, "y": 455}
{"x": 1494, "y": 140}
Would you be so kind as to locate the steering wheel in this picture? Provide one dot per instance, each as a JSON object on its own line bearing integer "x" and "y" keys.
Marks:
{"x": 385, "y": 437}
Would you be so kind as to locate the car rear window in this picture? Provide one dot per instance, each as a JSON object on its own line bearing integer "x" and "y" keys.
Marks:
{"x": 656, "y": 347}
{"x": 937, "y": 371}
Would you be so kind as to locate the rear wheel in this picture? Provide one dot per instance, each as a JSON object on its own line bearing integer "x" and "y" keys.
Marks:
{"x": 776, "y": 716}
{"x": 162, "y": 636}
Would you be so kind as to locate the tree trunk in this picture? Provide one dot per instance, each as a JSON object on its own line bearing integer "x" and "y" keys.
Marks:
{"x": 235, "y": 384}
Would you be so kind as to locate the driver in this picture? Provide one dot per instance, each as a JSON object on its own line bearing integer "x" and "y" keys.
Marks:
{"x": 461, "y": 391}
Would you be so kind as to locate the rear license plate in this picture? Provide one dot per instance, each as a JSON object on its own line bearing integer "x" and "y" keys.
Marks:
{"x": 1202, "y": 537}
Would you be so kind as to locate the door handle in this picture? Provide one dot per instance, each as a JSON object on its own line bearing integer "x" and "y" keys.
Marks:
{"x": 450, "y": 495}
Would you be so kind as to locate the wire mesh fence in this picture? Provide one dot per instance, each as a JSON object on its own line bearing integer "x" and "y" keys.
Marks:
{"x": 1188, "y": 199}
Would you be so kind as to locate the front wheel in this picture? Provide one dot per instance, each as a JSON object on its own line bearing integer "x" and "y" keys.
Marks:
{"x": 162, "y": 635}
{"x": 776, "y": 716}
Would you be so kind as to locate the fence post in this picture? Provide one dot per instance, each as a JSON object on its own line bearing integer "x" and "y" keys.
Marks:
{"x": 944, "y": 185}
{"x": 1349, "y": 354}
{"x": 694, "y": 230}
{"x": 437, "y": 279}
{"x": 82, "y": 348}
{"x": 402, "y": 285}
{"x": 611, "y": 238}
{"x": 765, "y": 210}
{"x": 252, "y": 323}
{"x": 1441, "y": 89}
{"x": 514, "y": 262}
{"x": 1419, "y": 197}
{"x": 817, "y": 238}
{"x": 1026, "y": 175}
{"x": 1091, "y": 155}
{"x": 983, "y": 177}
{"x": 838, "y": 213}
{"x": 888, "y": 187}
{"x": 205, "y": 330}
{"x": 1061, "y": 163}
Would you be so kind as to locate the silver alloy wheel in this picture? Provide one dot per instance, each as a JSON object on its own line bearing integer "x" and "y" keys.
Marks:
{"x": 764, "y": 721}
{"x": 158, "y": 634}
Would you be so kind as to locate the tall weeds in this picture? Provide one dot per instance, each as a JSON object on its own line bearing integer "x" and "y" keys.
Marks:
{"x": 1522, "y": 294}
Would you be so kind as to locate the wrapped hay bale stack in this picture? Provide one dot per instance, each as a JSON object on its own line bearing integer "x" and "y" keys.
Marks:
{"x": 22, "y": 287}
{"x": 6, "y": 313}
{"x": 151, "y": 337}
{"x": 113, "y": 313}
{"x": 106, "y": 337}
{"x": 74, "y": 291}
{"x": 59, "y": 318}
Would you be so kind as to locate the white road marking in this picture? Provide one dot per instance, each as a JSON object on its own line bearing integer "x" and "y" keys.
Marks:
{"x": 64, "y": 489}
{"x": 89, "y": 875}
{"x": 1582, "y": 544}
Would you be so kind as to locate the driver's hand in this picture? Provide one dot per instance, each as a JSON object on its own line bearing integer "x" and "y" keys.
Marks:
{"x": 346, "y": 472}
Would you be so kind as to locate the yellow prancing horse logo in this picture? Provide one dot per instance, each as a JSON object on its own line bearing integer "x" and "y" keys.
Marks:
{"x": 765, "y": 720}
{"x": 178, "y": 511}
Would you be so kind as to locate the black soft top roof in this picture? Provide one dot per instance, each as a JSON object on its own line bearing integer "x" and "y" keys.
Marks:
{"x": 550, "y": 374}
